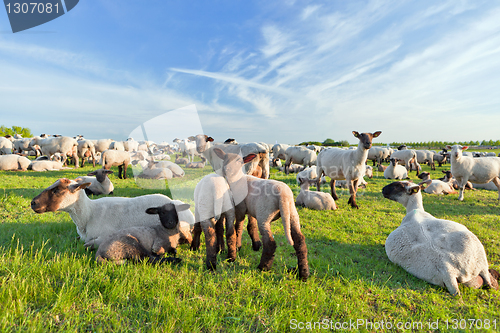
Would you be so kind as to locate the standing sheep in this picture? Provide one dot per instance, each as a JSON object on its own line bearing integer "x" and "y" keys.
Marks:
{"x": 118, "y": 158}
{"x": 299, "y": 155}
{"x": 441, "y": 252}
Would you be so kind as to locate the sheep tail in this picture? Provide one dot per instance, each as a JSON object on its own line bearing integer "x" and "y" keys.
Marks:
{"x": 289, "y": 215}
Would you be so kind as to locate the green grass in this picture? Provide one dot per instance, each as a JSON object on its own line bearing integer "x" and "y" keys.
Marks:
{"x": 50, "y": 282}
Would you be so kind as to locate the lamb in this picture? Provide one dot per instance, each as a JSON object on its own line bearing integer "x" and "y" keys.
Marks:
{"x": 14, "y": 162}
{"x": 478, "y": 170}
{"x": 441, "y": 252}
{"x": 265, "y": 200}
{"x": 341, "y": 164}
{"x": 6, "y": 146}
{"x": 312, "y": 199}
{"x": 437, "y": 186}
{"x": 299, "y": 155}
{"x": 65, "y": 145}
{"x": 409, "y": 157}
{"x": 46, "y": 166}
{"x": 99, "y": 182}
{"x": 181, "y": 160}
{"x": 197, "y": 165}
{"x": 22, "y": 145}
{"x": 176, "y": 170}
{"x": 96, "y": 219}
{"x": 139, "y": 243}
{"x": 395, "y": 171}
{"x": 448, "y": 178}
{"x": 118, "y": 158}
{"x": 86, "y": 149}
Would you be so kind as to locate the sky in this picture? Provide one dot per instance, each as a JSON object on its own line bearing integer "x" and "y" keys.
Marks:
{"x": 269, "y": 71}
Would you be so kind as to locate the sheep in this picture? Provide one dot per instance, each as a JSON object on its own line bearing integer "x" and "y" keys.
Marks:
{"x": 14, "y": 162}
{"x": 441, "y": 252}
{"x": 117, "y": 145}
{"x": 99, "y": 182}
{"x": 381, "y": 168}
{"x": 102, "y": 145}
{"x": 181, "y": 160}
{"x": 188, "y": 147}
{"x": 96, "y": 219}
{"x": 341, "y": 164}
{"x": 312, "y": 199}
{"x": 441, "y": 157}
{"x": 299, "y": 155}
{"x": 395, "y": 171}
{"x": 231, "y": 141}
{"x": 65, "y": 145}
{"x": 409, "y": 157}
{"x": 377, "y": 154}
{"x": 22, "y": 145}
{"x": 265, "y": 200}
{"x": 6, "y": 146}
{"x": 139, "y": 243}
{"x": 131, "y": 145}
{"x": 154, "y": 172}
{"x": 279, "y": 151}
{"x": 46, "y": 166}
{"x": 118, "y": 158}
{"x": 437, "y": 186}
{"x": 197, "y": 165}
{"x": 477, "y": 170}
{"x": 86, "y": 149}
{"x": 426, "y": 156}
{"x": 176, "y": 170}
{"x": 343, "y": 183}
{"x": 294, "y": 168}
{"x": 448, "y": 178}
{"x": 204, "y": 146}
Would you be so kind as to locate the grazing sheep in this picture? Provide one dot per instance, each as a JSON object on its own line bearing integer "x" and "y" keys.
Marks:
{"x": 14, "y": 163}
{"x": 395, "y": 171}
{"x": 46, "y": 166}
{"x": 341, "y": 164}
{"x": 99, "y": 182}
{"x": 478, "y": 170}
{"x": 299, "y": 155}
{"x": 22, "y": 145}
{"x": 65, "y": 145}
{"x": 86, "y": 149}
{"x": 118, "y": 158}
{"x": 96, "y": 219}
{"x": 102, "y": 145}
{"x": 197, "y": 165}
{"x": 265, "y": 200}
{"x": 313, "y": 199}
{"x": 441, "y": 252}
{"x": 436, "y": 186}
{"x": 139, "y": 243}
{"x": 279, "y": 151}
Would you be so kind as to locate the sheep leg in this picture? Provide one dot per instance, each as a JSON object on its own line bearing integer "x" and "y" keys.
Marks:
{"x": 287, "y": 165}
{"x": 125, "y": 165}
{"x": 332, "y": 189}
{"x": 120, "y": 172}
{"x": 211, "y": 243}
{"x": 461, "y": 185}
{"x": 299, "y": 244}
{"x": 496, "y": 181}
{"x": 451, "y": 284}
{"x": 230, "y": 235}
{"x": 353, "y": 186}
{"x": 195, "y": 244}
{"x": 269, "y": 246}
{"x": 239, "y": 220}
{"x": 253, "y": 232}
{"x": 219, "y": 229}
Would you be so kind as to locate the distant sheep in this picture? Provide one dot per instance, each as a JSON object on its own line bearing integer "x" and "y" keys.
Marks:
{"x": 118, "y": 158}
{"x": 313, "y": 199}
{"x": 299, "y": 155}
{"x": 437, "y": 186}
{"x": 14, "y": 163}
{"x": 395, "y": 171}
{"x": 100, "y": 184}
{"x": 47, "y": 166}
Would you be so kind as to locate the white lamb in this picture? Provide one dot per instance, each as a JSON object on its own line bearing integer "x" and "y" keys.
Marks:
{"x": 437, "y": 186}
{"x": 350, "y": 165}
{"x": 478, "y": 170}
{"x": 47, "y": 166}
{"x": 438, "y": 251}
{"x": 313, "y": 199}
{"x": 96, "y": 219}
{"x": 6, "y": 146}
{"x": 14, "y": 163}
{"x": 395, "y": 171}
{"x": 99, "y": 182}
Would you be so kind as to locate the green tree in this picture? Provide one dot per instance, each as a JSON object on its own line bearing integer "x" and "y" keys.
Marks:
{"x": 25, "y": 132}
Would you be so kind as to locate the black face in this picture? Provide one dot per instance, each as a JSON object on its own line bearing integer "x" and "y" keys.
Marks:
{"x": 393, "y": 190}
{"x": 423, "y": 175}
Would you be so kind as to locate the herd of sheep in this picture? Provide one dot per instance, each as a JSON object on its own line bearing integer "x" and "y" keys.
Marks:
{"x": 441, "y": 252}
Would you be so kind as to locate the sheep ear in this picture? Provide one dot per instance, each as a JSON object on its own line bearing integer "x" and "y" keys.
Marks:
{"x": 192, "y": 138}
{"x": 448, "y": 147}
{"x": 76, "y": 187}
{"x": 93, "y": 173}
{"x": 220, "y": 153}
{"x": 423, "y": 185}
{"x": 465, "y": 147}
{"x": 108, "y": 172}
{"x": 249, "y": 158}
{"x": 356, "y": 134}
{"x": 376, "y": 134}
{"x": 209, "y": 138}
{"x": 182, "y": 207}
{"x": 152, "y": 210}
{"x": 412, "y": 190}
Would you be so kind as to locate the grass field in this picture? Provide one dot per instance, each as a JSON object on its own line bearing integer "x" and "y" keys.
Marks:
{"x": 49, "y": 282}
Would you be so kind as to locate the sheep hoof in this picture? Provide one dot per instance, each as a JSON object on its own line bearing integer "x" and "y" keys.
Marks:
{"x": 295, "y": 271}
{"x": 256, "y": 245}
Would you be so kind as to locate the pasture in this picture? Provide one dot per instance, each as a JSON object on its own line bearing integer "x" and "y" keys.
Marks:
{"x": 49, "y": 282}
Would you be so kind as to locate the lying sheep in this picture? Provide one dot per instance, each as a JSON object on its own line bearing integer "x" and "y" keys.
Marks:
{"x": 294, "y": 168}
{"x": 47, "y": 166}
{"x": 395, "y": 171}
{"x": 197, "y": 165}
{"x": 14, "y": 163}
{"x": 478, "y": 170}
{"x": 118, "y": 158}
{"x": 436, "y": 186}
{"x": 350, "y": 165}
{"x": 176, "y": 170}
{"x": 99, "y": 182}
{"x": 139, "y": 243}
{"x": 6, "y": 146}
{"x": 265, "y": 200}
{"x": 381, "y": 168}
{"x": 96, "y": 219}
{"x": 313, "y": 199}
{"x": 441, "y": 252}
{"x": 181, "y": 160}
{"x": 152, "y": 171}
{"x": 448, "y": 178}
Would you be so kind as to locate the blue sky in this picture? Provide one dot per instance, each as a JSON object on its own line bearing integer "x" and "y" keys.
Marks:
{"x": 280, "y": 71}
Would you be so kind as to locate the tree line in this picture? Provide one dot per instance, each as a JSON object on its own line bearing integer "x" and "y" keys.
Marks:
{"x": 426, "y": 144}
{"x": 25, "y": 132}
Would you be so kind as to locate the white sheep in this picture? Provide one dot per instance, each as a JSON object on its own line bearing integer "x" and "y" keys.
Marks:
{"x": 139, "y": 243}
{"x": 117, "y": 145}
{"x": 14, "y": 162}
{"x": 441, "y": 252}
{"x": 478, "y": 170}
{"x": 118, "y": 158}
{"x": 265, "y": 200}
{"x": 426, "y": 156}
{"x": 99, "y": 182}
{"x": 131, "y": 145}
{"x": 341, "y": 164}
{"x": 177, "y": 171}
{"x": 86, "y": 149}
{"x": 47, "y": 166}
{"x": 395, "y": 171}
{"x": 96, "y": 219}
{"x": 409, "y": 157}
{"x": 188, "y": 147}
{"x": 6, "y": 146}
{"x": 22, "y": 145}
{"x": 65, "y": 145}
{"x": 299, "y": 155}
{"x": 313, "y": 199}
{"x": 197, "y": 165}
{"x": 102, "y": 145}
{"x": 437, "y": 186}
{"x": 154, "y": 171}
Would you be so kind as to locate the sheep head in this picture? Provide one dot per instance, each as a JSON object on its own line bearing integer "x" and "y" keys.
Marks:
{"x": 365, "y": 139}
{"x": 57, "y": 196}
{"x": 168, "y": 214}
